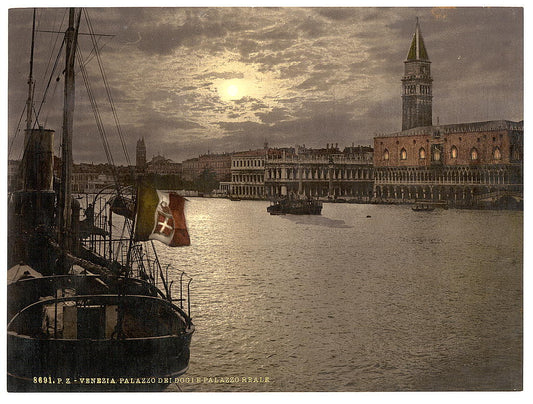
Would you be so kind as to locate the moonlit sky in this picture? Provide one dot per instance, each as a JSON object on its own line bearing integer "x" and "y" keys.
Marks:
{"x": 193, "y": 80}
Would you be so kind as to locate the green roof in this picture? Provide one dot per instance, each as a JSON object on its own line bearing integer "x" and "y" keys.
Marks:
{"x": 417, "y": 51}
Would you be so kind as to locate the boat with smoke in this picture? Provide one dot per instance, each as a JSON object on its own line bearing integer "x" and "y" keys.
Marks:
{"x": 90, "y": 308}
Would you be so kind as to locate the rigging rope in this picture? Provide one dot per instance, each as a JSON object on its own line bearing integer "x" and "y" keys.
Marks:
{"x": 45, "y": 93}
{"x": 106, "y": 84}
{"x": 96, "y": 113}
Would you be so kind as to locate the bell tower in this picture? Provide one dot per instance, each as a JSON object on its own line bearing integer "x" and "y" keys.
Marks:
{"x": 140, "y": 155}
{"x": 417, "y": 85}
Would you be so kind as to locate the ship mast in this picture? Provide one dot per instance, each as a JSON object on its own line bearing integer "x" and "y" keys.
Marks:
{"x": 29, "y": 102}
{"x": 65, "y": 222}
{"x": 29, "y": 109}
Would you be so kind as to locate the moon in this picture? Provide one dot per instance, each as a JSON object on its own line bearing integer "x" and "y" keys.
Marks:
{"x": 233, "y": 91}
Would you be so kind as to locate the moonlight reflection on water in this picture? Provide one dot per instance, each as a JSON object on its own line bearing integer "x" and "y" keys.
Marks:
{"x": 346, "y": 302}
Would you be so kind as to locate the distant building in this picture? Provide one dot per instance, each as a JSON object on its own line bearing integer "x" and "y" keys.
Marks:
{"x": 191, "y": 169}
{"x": 84, "y": 174}
{"x": 163, "y": 166}
{"x": 465, "y": 165}
{"x": 140, "y": 155}
{"x": 219, "y": 164}
{"x": 91, "y": 178}
{"x": 157, "y": 165}
{"x": 248, "y": 174}
{"x": 321, "y": 173}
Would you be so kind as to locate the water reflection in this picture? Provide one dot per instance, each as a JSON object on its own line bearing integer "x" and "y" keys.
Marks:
{"x": 316, "y": 221}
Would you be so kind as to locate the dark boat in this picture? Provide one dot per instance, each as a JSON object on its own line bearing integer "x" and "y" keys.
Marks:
{"x": 428, "y": 206}
{"x": 422, "y": 207}
{"x": 89, "y": 308}
{"x": 295, "y": 205}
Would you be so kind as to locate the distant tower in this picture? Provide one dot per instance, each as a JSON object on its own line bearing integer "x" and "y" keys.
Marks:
{"x": 140, "y": 156}
{"x": 417, "y": 85}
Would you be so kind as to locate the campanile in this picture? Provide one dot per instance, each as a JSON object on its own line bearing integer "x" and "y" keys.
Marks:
{"x": 417, "y": 85}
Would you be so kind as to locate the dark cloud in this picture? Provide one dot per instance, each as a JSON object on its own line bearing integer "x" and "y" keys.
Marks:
{"x": 316, "y": 82}
{"x": 274, "y": 116}
{"x": 311, "y": 27}
{"x": 336, "y": 14}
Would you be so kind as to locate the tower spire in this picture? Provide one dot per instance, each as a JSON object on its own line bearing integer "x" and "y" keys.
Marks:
{"x": 417, "y": 51}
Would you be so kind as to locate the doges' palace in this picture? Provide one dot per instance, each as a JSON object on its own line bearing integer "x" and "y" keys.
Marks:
{"x": 466, "y": 164}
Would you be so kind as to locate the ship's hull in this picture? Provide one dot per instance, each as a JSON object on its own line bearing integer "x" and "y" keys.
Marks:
{"x": 92, "y": 365}
{"x": 300, "y": 209}
{"x": 97, "y": 343}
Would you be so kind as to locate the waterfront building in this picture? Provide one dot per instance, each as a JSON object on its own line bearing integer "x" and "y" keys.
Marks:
{"x": 89, "y": 177}
{"x": 190, "y": 169}
{"x": 163, "y": 166}
{"x": 217, "y": 163}
{"x": 328, "y": 172}
{"x": 465, "y": 165}
{"x": 224, "y": 188}
{"x": 85, "y": 176}
{"x": 248, "y": 174}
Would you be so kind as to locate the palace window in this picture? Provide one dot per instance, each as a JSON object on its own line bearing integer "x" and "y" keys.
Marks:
{"x": 422, "y": 153}
{"x": 515, "y": 152}
{"x": 436, "y": 154}
{"x": 474, "y": 154}
{"x": 403, "y": 154}
{"x": 453, "y": 152}
{"x": 386, "y": 155}
{"x": 497, "y": 154}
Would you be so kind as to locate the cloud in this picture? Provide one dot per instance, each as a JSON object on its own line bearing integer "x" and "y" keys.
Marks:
{"x": 318, "y": 75}
{"x": 337, "y": 14}
{"x": 274, "y": 116}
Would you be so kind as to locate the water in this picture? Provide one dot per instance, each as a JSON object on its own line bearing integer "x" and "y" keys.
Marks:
{"x": 400, "y": 300}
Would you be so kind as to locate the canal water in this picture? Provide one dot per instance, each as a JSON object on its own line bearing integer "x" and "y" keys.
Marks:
{"x": 361, "y": 298}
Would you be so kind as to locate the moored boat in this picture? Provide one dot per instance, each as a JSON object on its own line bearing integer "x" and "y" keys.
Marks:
{"x": 428, "y": 206}
{"x": 423, "y": 207}
{"x": 295, "y": 205}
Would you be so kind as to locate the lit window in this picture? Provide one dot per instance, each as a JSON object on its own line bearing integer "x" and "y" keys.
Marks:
{"x": 515, "y": 153}
{"x": 436, "y": 154}
{"x": 473, "y": 154}
{"x": 497, "y": 154}
{"x": 386, "y": 155}
{"x": 422, "y": 153}
{"x": 403, "y": 154}
{"x": 453, "y": 152}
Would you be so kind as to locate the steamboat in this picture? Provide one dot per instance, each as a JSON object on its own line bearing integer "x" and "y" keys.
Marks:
{"x": 86, "y": 298}
{"x": 295, "y": 205}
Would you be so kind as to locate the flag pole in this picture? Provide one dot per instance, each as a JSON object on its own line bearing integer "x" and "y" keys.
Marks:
{"x": 133, "y": 224}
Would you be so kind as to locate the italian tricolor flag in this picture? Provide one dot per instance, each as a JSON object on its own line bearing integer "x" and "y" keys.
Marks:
{"x": 160, "y": 216}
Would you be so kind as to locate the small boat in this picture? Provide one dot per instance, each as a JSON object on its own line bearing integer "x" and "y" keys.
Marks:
{"x": 428, "y": 206}
{"x": 295, "y": 205}
{"x": 234, "y": 198}
{"x": 422, "y": 207}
